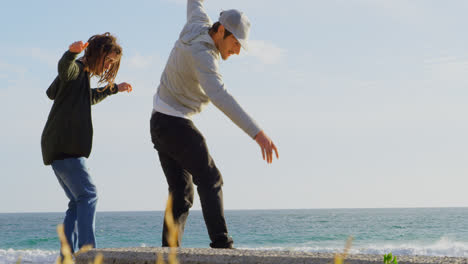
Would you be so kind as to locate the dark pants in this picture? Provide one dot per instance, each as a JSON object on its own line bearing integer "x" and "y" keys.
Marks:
{"x": 185, "y": 160}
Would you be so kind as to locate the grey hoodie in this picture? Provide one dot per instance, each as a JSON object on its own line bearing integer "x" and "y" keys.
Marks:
{"x": 191, "y": 78}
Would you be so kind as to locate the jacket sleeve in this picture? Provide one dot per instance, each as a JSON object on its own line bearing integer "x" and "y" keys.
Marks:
{"x": 196, "y": 12}
{"x": 53, "y": 88}
{"x": 99, "y": 94}
{"x": 206, "y": 69}
{"x": 68, "y": 70}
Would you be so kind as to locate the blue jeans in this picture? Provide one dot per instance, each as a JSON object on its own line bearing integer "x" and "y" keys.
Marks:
{"x": 75, "y": 180}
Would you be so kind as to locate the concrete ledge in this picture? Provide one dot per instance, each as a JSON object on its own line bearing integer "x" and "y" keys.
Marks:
{"x": 235, "y": 256}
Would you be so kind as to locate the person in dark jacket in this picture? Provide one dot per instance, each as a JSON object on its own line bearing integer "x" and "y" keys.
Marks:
{"x": 67, "y": 137}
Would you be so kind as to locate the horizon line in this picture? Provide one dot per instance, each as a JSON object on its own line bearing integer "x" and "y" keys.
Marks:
{"x": 256, "y": 209}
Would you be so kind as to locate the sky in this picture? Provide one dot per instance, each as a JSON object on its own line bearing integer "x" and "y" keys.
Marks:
{"x": 366, "y": 101}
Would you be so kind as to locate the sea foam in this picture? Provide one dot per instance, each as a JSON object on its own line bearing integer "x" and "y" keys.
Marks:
{"x": 443, "y": 247}
{"x": 28, "y": 256}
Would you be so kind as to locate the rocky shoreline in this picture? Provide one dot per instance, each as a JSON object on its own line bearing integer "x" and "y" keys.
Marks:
{"x": 147, "y": 255}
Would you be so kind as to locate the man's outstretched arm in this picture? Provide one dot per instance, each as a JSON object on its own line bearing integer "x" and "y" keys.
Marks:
{"x": 196, "y": 12}
{"x": 211, "y": 81}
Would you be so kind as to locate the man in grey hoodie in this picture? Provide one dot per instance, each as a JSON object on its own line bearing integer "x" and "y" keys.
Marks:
{"x": 191, "y": 80}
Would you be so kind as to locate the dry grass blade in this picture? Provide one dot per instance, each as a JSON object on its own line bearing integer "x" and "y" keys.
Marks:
{"x": 173, "y": 257}
{"x": 98, "y": 259}
{"x": 159, "y": 259}
{"x": 65, "y": 248}
{"x": 339, "y": 258}
{"x": 83, "y": 249}
{"x": 19, "y": 260}
{"x": 170, "y": 223}
{"x": 173, "y": 231}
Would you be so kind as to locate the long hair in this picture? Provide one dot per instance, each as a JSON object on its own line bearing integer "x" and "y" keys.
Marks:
{"x": 95, "y": 55}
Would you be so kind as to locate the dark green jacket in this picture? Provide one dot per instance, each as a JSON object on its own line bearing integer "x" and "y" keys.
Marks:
{"x": 69, "y": 129}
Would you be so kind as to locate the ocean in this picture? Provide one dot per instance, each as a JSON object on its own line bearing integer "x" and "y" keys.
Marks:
{"x": 406, "y": 231}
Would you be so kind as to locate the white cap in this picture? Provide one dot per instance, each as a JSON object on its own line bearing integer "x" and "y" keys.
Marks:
{"x": 238, "y": 24}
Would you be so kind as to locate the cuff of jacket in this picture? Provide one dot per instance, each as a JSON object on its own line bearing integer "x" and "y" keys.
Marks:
{"x": 70, "y": 55}
{"x": 114, "y": 89}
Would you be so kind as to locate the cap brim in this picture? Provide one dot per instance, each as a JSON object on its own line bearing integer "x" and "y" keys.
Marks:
{"x": 244, "y": 44}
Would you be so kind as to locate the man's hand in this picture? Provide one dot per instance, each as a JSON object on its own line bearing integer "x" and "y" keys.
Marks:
{"x": 125, "y": 87}
{"x": 267, "y": 146}
{"x": 78, "y": 46}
